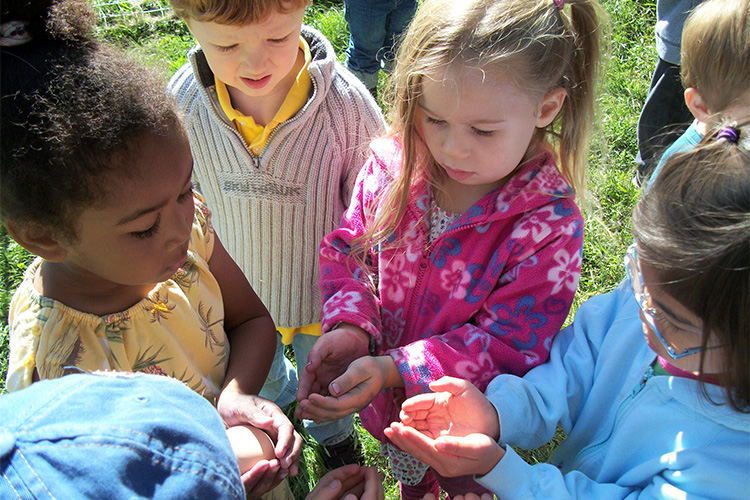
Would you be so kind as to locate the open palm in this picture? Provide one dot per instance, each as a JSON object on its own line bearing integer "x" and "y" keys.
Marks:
{"x": 456, "y": 408}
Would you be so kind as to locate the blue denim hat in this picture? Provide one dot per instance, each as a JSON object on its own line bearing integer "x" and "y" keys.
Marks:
{"x": 112, "y": 436}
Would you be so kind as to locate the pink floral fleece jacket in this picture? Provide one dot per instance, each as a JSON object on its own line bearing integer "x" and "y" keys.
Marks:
{"x": 485, "y": 297}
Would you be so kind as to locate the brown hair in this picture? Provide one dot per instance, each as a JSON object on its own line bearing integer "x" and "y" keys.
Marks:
{"x": 693, "y": 228}
{"x": 553, "y": 48}
{"x": 716, "y": 52}
{"x": 233, "y": 12}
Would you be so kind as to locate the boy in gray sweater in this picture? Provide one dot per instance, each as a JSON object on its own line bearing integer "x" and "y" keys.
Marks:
{"x": 278, "y": 130}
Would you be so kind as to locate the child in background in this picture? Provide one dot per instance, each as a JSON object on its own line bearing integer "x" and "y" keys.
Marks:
{"x": 461, "y": 251}
{"x": 278, "y": 131}
{"x": 375, "y": 27}
{"x": 662, "y": 417}
{"x": 130, "y": 276}
{"x": 715, "y": 69}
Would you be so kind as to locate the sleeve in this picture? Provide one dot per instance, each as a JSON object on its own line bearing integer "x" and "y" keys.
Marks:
{"x": 530, "y": 408}
{"x": 202, "y": 237}
{"x": 24, "y": 340}
{"x": 347, "y": 293}
{"x": 513, "y": 329}
{"x": 718, "y": 472}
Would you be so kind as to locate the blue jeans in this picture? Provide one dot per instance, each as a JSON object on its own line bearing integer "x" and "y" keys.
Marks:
{"x": 664, "y": 117}
{"x": 281, "y": 388}
{"x": 375, "y": 27}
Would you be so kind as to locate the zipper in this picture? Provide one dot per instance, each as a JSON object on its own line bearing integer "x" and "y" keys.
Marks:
{"x": 425, "y": 264}
{"x": 256, "y": 159}
{"x": 636, "y": 390}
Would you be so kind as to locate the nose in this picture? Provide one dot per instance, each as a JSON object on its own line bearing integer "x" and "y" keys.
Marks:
{"x": 454, "y": 146}
{"x": 253, "y": 60}
{"x": 181, "y": 224}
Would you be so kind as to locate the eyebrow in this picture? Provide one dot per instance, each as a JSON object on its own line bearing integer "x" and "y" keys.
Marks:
{"x": 140, "y": 213}
{"x": 475, "y": 122}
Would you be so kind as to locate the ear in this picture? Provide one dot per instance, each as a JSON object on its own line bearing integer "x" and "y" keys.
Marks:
{"x": 695, "y": 103}
{"x": 37, "y": 240}
{"x": 550, "y": 106}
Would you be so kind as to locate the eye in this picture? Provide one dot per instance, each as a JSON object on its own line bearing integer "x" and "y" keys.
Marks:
{"x": 279, "y": 40}
{"x": 187, "y": 195}
{"x": 483, "y": 133}
{"x": 148, "y": 232}
{"x": 430, "y": 119}
{"x": 227, "y": 48}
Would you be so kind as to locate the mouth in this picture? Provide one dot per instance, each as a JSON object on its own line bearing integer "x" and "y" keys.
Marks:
{"x": 181, "y": 260}
{"x": 256, "y": 83}
{"x": 457, "y": 175}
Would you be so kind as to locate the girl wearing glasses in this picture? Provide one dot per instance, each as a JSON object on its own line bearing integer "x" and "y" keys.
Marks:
{"x": 650, "y": 382}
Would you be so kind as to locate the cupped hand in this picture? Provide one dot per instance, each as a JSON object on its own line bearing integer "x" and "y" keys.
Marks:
{"x": 350, "y": 482}
{"x": 329, "y": 358}
{"x": 353, "y": 390}
{"x": 444, "y": 411}
{"x": 450, "y": 456}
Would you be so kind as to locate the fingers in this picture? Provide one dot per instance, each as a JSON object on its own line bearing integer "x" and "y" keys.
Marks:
{"x": 452, "y": 385}
{"x": 262, "y": 478}
{"x": 373, "y": 482}
{"x": 412, "y": 442}
{"x": 307, "y": 375}
{"x": 331, "y": 486}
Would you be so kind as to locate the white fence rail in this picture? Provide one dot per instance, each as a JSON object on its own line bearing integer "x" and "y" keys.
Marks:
{"x": 114, "y": 12}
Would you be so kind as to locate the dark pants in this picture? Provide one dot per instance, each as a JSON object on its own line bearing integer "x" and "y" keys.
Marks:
{"x": 663, "y": 119}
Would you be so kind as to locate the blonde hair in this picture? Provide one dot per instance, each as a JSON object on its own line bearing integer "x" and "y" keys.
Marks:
{"x": 716, "y": 52}
{"x": 233, "y": 12}
{"x": 547, "y": 47}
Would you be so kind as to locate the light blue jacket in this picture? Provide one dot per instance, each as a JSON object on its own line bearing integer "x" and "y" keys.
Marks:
{"x": 630, "y": 433}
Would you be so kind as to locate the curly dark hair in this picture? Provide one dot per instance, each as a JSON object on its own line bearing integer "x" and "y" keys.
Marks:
{"x": 73, "y": 110}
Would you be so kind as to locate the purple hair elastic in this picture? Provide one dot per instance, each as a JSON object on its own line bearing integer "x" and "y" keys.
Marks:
{"x": 560, "y": 4}
{"x": 729, "y": 133}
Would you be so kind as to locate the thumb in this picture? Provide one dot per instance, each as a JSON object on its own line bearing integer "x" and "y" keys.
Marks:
{"x": 328, "y": 491}
{"x": 452, "y": 385}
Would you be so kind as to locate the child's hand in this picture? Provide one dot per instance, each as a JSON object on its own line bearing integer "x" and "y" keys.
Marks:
{"x": 452, "y": 431}
{"x": 236, "y": 409}
{"x": 353, "y": 390}
{"x": 450, "y": 456}
{"x": 445, "y": 411}
{"x": 468, "y": 496}
{"x": 350, "y": 482}
{"x": 331, "y": 355}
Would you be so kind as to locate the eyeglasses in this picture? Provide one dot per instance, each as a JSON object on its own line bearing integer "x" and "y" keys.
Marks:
{"x": 650, "y": 313}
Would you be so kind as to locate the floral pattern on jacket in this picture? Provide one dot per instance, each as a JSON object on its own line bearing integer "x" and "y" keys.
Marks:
{"x": 484, "y": 298}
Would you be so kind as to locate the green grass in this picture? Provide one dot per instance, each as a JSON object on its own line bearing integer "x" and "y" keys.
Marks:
{"x": 163, "y": 41}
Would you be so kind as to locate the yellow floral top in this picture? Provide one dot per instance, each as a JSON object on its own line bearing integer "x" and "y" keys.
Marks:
{"x": 177, "y": 330}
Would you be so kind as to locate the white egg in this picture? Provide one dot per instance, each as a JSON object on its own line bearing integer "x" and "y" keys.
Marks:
{"x": 250, "y": 445}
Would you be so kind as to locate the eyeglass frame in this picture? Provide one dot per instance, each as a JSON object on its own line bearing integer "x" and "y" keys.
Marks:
{"x": 633, "y": 272}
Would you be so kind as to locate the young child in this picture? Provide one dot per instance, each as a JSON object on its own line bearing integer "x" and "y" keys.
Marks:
{"x": 662, "y": 417}
{"x": 461, "y": 251}
{"x": 375, "y": 27}
{"x": 130, "y": 276}
{"x": 279, "y": 131}
{"x": 715, "y": 69}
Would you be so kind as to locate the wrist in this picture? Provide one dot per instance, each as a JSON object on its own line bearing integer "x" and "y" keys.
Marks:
{"x": 391, "y": 375}
{"x": 358, "y": 333}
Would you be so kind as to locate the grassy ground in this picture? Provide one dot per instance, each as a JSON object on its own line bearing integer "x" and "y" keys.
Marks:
{"x": 163, "y": 41}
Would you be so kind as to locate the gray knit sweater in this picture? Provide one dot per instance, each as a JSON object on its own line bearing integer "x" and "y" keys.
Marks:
{"x": 271, "y": 211}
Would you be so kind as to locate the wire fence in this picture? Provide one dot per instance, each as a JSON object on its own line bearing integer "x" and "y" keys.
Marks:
{"x": 119, "y": 12}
